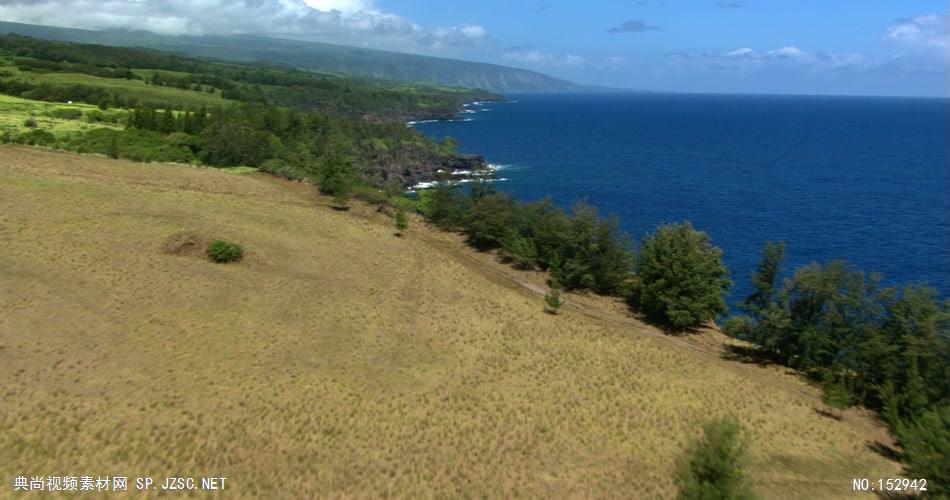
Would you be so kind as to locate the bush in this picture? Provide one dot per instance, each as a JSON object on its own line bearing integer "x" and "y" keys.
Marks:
{"x": 926, "y": 443}
{"x": 711, "y": 468}
{"x": 552, "y": 299}
{"x": 36, "y": 137}
{"x": 67, "y": 113}
{"x": 402, "y": 223}
{"x": 222, "y": 252}
{"x": 369, "y": 194}
{"x": 95, "y": 116}
{"x": 681, "y": 280}
{"x": 30, "y": 123}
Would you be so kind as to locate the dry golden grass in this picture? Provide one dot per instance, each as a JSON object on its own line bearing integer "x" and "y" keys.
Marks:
{"x": 339, "y": 360}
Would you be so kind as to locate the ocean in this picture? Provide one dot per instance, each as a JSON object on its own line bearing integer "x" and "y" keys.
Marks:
{"x": 865, "y": 179}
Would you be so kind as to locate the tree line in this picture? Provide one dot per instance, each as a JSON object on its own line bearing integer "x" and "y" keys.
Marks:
{"x": 582, "y": 250}
{"x": 885, "y": 348}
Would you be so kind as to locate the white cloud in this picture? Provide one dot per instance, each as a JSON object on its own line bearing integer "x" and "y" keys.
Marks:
{"x": 921, "y": 44}
{"x": 928, "y": 31}
{"x": 747, "y": 60}
{"x": 346, "y": 21}
{"x": 530, "y": 57}
{"x": 616, "y": 62}
{"x": 340, "y": 5}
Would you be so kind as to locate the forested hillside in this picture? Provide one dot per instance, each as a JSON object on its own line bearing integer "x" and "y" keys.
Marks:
{"x": 165, "y": 107}
{"x": 320, "y": 56}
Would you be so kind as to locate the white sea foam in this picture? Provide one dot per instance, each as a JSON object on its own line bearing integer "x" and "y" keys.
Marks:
{"x": 432, "y": 184}
{"x": 411, "y": 123}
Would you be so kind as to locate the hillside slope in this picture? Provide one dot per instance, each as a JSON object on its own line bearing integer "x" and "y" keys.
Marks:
{"x": 321, "y": 56}
{"x": 340, "y": 361}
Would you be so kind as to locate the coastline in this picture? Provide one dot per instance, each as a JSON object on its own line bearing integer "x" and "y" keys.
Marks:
{"x": 483, "y": 171}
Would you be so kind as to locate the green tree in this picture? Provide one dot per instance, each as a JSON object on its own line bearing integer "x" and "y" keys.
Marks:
{"x": 681, "y": 280}
{"x": 552, "y": 298}
{"x": 167, "y": 124}
{"x": 521, "y": 250}
{"x": 711, "y": 468}
{"x": 112, "y": 149}
{"x": 402, "y": 223}
{"x": 764, "y": 279}
{"x": 336, "y": 174}
{"x": 443, "y": 204}
{"x": 490, "y": 219}
{"x": 595, "y": 253}
{"x": 768, "y": 320}
{"x": 834, "y": 395}
{"x": 232, "y": 142}
{"x": 926, "y": 444}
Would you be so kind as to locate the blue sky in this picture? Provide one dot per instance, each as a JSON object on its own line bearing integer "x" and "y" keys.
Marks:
{"x": 843, "y": 47}
{"x": 867, "y": 47}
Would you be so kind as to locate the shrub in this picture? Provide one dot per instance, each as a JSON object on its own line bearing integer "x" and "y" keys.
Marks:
{"x": 36, "y": 137}
{"x": 222, "y": 252}
{"x": 401, "y": 222}
{"x": 681, "y": 279}
{"x": 711, "y": 468}
{"x": 926, "y": 443}
{"x": 30, "y": 123}
{"x": 67, "y": 113}
{"x": 552, "y": 299}
{"x": 834, "y": 394}
{"x": 521, "y": 251}
{"x": 95, "y": 116}
{"x": 369, "y": 194}
{"x": 336, "y": 174}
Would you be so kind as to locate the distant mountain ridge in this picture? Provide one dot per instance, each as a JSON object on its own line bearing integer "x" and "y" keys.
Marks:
{"x": 319, "y": 56}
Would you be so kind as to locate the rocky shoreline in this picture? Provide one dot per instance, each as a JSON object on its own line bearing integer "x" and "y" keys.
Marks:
{"x": 461, "y": 167}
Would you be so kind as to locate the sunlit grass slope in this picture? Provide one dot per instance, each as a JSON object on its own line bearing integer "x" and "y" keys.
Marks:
{"x": 15, "y": 111}
{"x": 135, "y": 89}
{"x": 340, "y": 361}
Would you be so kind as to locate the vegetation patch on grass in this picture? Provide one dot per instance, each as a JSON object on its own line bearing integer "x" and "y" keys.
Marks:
{"x": 223, "y": 252}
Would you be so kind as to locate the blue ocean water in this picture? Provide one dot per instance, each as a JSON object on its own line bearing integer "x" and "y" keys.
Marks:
{"x": 864, "y": 179}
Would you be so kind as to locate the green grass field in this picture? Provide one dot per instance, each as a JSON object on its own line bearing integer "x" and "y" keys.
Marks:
{"x": 338, "y": 360}
{"x": 136, "y": 89}
{"x": 14, "y": 112}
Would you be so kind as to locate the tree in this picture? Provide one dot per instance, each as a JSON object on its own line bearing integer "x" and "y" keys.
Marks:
{"x": 112, "y": 149}
{"x": 764, "y": 279}
{"x": 443, "y": 205}
{"x": 401, "y": 222}
{"x": 521, "y": 250}
{"x": 926, "y": 444}
{"x": 834, "y": 394}
{"x": 768, "y": 319}
{"x": 552, "y": 299}
{"x": 228, "y": 142}
{"x": 336, "y": 175}
{"x": 595, "y": 253}
{"x": 167, "y": 124}
{"x": 489, "y": 219}
{"x": 681, "y": 280}
{"x": 711, "y": 468}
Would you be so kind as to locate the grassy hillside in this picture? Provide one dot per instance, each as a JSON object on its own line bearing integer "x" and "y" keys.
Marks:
{"x": 339, "y": 360}
{"x": 61, "y": 120}
{"x": 322, "y": 56}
